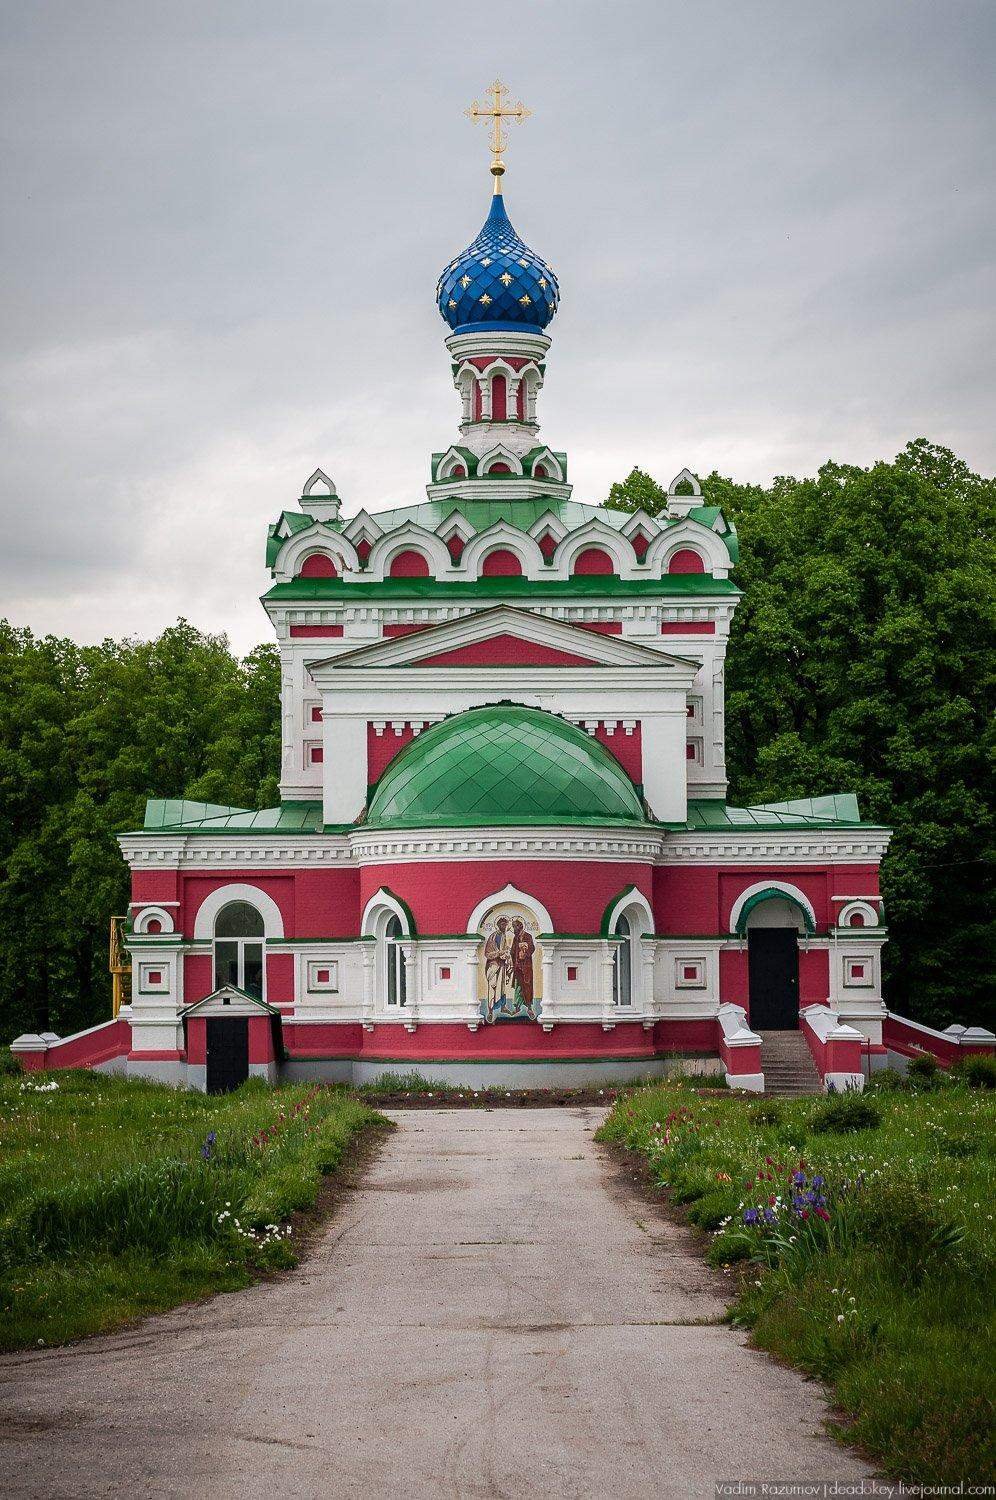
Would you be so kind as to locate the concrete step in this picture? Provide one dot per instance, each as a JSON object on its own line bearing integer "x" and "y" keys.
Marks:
{"x": 787, "y": 1064}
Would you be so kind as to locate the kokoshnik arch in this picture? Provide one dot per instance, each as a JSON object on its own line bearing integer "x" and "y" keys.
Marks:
{"x": 503, "y": 851}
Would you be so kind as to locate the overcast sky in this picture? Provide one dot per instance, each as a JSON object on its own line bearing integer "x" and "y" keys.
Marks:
{"x": 773, "y": 223}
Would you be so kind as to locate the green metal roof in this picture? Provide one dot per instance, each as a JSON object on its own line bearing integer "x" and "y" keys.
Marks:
{"x": 503, "y": 765}
{"x": 174, "y": 816}
{"x": 835, "y": 811}
{"x": 672, "y": 585}
{"x": 186, "y": 817}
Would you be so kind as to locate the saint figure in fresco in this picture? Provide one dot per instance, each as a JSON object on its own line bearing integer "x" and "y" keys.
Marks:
{"x": 497, "y": 967}
{"x": 523, "y": 948}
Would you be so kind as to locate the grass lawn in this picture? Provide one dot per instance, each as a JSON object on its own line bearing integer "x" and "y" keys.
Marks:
{"x": 120, "y": 1197}
{"x": 862, "y": 1248}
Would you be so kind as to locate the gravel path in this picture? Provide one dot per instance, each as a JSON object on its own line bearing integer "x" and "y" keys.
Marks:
{"x": 491, "y": 1314}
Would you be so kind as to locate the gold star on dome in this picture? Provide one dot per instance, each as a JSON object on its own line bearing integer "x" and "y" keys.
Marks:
{"x": 542, "y": 281}
{"x": 452, "y": 303}
{"x": 486, "y": 261}
{"x": 505, "y": 279}
{"x": 525, "y": 300}
{"x": 524, "y": 263}
{"x": 486, "y": 300}
{"x": 465, "y": 282}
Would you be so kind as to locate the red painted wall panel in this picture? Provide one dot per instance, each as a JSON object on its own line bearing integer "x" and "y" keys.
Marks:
{"x": 626, "y": 748}
{"x": 197, "y": 1040}
{"x": 409, "y": 564}
{"x": 443, "y": 895}
{"x": 686, "y": 560}
{"x": 689, "y": 627}
{"x": 593, "y": 561}
{"x": 316, "y": 632}
{"x": 327, "y": 903}
{"x": 155, "y": 885}
{"x": 382, "y": 748}
{"x": 501, "y": 563}
{"x": 260, "y": 1039}
{"x": 280, "y": 979}
{"x": 318, "y": 565}
{"x": 198, "y": 976}
{"x": 503, "y": 651}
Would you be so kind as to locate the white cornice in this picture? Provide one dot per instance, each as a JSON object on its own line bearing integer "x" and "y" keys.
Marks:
{"x": 372, "y": 846}
{"x": 202, "y": 851}
{"x": 503, "y": 487}
{"x": 777, "y": 846}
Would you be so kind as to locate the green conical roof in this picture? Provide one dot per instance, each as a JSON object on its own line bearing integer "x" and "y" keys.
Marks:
{"x": 503, "y": 765}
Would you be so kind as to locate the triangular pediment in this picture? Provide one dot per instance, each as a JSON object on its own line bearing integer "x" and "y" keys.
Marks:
{"x": 229, "y": 1001}
{"x": 502, "y": 636}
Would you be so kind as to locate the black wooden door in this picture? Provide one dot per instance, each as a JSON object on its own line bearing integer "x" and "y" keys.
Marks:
{"x": 227, "y": 1053}
{"x": 773, "y": 968}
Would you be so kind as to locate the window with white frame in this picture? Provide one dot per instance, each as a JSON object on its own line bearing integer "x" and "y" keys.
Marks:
{"x": 622, "y": 962}
{"x": 238, "y": 948}
{"x": 394, "y": 962}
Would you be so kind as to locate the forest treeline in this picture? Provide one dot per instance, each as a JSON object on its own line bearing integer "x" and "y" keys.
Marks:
{"x": 861, "y": 659}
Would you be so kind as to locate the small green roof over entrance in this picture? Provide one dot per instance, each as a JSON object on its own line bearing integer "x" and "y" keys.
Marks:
{"x": 503, "y": 765}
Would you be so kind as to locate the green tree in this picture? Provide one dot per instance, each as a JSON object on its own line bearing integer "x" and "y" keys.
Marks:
{"x": 862, "y": 658}
{"x": 638, "y": 492}
{"x": 86, "y": 734}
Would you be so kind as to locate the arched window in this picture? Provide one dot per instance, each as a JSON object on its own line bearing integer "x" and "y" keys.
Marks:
{"x": 622, "y": 963}
{"x": 394, "y": 962}
{"x": 238, "y": 948}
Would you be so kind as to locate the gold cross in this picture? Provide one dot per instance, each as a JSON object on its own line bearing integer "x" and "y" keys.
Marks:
{"x": 497, "y": 109}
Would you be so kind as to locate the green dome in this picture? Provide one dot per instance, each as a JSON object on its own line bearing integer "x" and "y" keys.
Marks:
{"x": 503, "y": 765}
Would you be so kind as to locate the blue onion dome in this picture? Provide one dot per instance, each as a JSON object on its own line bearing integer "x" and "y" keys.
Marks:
{"x": 498, "y": 281}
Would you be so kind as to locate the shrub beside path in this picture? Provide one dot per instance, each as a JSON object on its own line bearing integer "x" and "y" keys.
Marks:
{"x": 491, "y": 1313}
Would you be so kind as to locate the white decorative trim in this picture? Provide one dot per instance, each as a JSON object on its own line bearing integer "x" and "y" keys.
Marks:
{"x": 520, "y": 898}
{"x": 273, "y": 922}
{"x": 505, "y": 537}
{"x": 792, "y": 892}
{"x": 867, "y": 910}
{"x": 570, "y": 844}
{"x": 821, "y": 846}
{"x": 317, "y": 538}
{"x": 623, "y": 902}
{"x": 382, "y": 901}
{"x": 696, "y": 538}
{"x": 154, "y": 914}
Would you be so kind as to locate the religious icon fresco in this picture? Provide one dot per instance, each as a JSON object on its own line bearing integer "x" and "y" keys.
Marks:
{"x": 510, "y": 966}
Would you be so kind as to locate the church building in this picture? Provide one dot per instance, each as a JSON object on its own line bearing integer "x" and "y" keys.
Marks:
{"x": 503, "y": 852}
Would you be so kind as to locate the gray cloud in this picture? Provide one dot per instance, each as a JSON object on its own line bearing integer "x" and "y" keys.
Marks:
{"x": 773, "y": 223}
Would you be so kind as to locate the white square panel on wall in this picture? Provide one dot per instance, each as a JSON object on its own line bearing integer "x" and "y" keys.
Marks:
{"x": 690, "y": 973}
{"x": 323, "y": 975}
{"x": 859, "y": 970}
{"x": 153, "y": 978}
{"x": 575, "y": 970}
